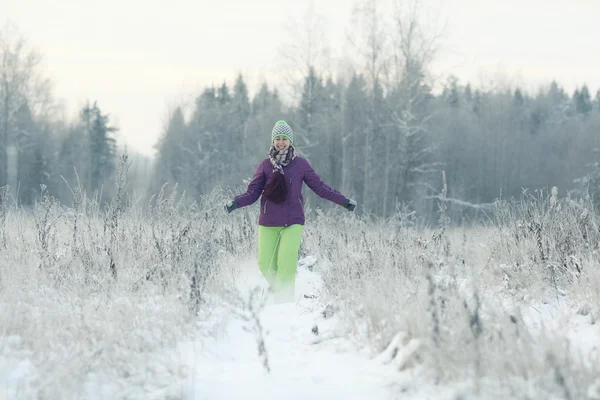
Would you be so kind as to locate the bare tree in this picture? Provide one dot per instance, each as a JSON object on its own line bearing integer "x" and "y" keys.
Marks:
{"x": 302, "y": 58}
{"x": 414, "y": 49}
{"x": 369, "y": 41}
{"x": 407, "y": 168}
{"x": 306, "y": 48}
{"x": 20, "y": 85}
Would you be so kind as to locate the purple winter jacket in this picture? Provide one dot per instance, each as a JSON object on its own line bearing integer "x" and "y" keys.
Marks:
{"x": 291, "y": 211}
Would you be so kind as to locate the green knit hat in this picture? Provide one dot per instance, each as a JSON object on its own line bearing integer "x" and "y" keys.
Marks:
{"x": 281, "y": 128}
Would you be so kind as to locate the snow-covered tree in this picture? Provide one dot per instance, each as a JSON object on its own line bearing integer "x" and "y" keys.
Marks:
{"x": 102, "y": 146}
{"x": 19, "y": 66}
{"x": 583, "y": 101}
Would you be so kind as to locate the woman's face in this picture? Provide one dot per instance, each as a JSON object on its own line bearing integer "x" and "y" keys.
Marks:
{"x": 281, "y": 143}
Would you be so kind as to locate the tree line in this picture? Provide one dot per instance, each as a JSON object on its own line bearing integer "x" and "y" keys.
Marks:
{"x": 40, "y": 149}
{"x": 386, "y": 153}
{"x": 379, "y": 132}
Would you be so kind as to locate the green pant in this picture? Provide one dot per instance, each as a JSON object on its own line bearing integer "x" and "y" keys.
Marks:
{"x": 278, "y": 257}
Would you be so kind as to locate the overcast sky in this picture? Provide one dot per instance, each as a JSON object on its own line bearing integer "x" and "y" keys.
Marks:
{"x": 137, "y": 58}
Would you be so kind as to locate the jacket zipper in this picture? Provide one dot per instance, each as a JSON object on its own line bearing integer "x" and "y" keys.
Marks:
{"x": 265, "y": 207}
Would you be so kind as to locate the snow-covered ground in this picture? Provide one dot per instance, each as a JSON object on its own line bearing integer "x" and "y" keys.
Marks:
{"x": 306, "y": 356}
{"x": 382, "y": 310}
{"x": 308, "y": 353}
{"x": 311, "y": 356}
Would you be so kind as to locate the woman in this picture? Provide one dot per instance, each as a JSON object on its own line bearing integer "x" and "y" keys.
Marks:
{"x": 279, "y": 180}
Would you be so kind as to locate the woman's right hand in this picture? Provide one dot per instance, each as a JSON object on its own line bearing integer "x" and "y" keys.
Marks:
{"x": 231, "y": 205}
{"x": 350, "y": 204}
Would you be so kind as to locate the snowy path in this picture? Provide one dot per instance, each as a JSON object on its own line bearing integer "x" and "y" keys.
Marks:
{"x": 302, "y": 365}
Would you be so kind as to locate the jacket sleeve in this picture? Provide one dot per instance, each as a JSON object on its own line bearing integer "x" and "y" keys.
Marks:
{"x": 315, "y": 183}
{"x": 255, "y": 188}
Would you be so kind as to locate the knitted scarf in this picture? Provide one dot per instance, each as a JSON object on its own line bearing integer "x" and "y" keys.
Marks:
{"x": 280, "y": 159}
{"x": 276, "y": 189}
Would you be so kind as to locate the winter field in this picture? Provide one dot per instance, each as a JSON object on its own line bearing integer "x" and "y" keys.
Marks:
{"x": 157, "y": 300}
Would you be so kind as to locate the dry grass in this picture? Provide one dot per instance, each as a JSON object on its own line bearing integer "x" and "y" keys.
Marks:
{"x": 90, "y": 291}
{"x": 464, "y": 300}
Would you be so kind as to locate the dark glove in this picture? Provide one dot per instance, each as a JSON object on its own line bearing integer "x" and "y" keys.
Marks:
{"x": 350, "y": 204}
{"x": 231, "y": 205}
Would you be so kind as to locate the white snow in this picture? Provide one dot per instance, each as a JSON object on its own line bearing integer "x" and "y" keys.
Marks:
{"x": 16, "y": 370}
{"x": 223, "y": 360}
{"x": 303, "y": 365}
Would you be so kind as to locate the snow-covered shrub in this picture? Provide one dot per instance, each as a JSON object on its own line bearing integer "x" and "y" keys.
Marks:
{"x": 494, "y": 304}
{"x": 546, "y": 233}
{"x": 99, "y": 296}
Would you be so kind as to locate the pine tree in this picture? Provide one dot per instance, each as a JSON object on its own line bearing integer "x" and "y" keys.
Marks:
{"x": 240, "y": 110}
{"x": 241, "y": 101}
{"x": 266, "y": 110}
{"x": 261, "y": 100}
{"x": 310, "y": 119}
{"x": 468, "y": 93}
{"x": 558, "y": 101}
{"x": 589, "y": 184}
{"x": 204, "y": 139}
{"x": 583, "y": 101}
{"x": 518, "y": 98}
{"x": 171, "y": 165}
{"x": 73, "y": 156}
{"x": 477, "y": 102}
{"x": 223, "y": 94}
{"x": 311, "y": 123}
{"x": 409, "y": 108}
{"x": 451, "y": 93}
{"x": 26, "y": 132}
{"x": 354, "y": 126}
{"x": 536, "y": 119}
{"x": 333, "y": 133}
{"x": 40, "y": 169}
{"x": 102, "y": 146}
